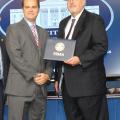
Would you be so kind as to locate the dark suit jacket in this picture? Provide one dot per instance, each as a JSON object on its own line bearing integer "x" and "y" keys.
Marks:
{"x": 91, "y": 45}
{"x": 5, "y": 60}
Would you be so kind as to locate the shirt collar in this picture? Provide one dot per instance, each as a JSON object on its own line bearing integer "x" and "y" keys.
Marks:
{"x": 77, "y": 16}
{"x": 30, "y": 24}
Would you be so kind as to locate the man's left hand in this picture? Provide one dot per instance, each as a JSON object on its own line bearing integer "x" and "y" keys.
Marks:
{"x": 73, "y": 61}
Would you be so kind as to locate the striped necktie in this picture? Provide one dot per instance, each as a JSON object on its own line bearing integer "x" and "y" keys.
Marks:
{"x": 35, "y": 35}
{"x": 72, "y": 23}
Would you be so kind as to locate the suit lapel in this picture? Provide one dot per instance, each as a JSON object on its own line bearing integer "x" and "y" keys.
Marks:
{"x": 42, "y": 40}
{"x": 29, "y": 32}
{"x": 39, "y": 36}
{"x": 30, "y": 35}
{"x": 61, "y": 32}
{"x": 78, "y": 28}
{"x": 80, "y": 25}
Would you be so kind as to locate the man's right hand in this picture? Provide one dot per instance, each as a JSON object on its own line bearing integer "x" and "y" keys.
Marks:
{"x": 56, "y": 85}
{"x": 41, "y": 78}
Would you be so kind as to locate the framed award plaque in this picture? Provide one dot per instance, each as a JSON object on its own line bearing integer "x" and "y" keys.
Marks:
{"x": 59, "y": 49}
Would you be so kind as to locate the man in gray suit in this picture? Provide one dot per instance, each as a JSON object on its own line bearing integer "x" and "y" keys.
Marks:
{"x": 29, "y": 72}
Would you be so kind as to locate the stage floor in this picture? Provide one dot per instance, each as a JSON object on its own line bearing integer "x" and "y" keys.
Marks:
{"x": 55, "y": 110}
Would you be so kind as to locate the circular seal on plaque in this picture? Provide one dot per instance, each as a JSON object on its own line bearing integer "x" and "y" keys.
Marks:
{"x": 59, "y": 47}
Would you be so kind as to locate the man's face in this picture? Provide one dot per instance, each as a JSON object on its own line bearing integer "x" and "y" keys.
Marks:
{"x": 75, "y": 6}
{"x": 30, "y": 10}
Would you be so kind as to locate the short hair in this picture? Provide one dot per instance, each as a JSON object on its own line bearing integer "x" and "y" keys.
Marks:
{"x": 36, "y": 0}
{"x": 84, "y": 2}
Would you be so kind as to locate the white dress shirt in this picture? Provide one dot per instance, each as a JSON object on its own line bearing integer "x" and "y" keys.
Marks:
{"x": 69, "y": 24}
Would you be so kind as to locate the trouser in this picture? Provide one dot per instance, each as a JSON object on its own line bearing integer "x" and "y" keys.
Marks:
{"x": 85, "y": 108}
{"x": 1, "y": 100}
{"x": 27, "y": 108}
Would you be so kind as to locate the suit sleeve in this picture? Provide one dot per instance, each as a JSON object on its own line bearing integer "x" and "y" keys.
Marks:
{"x": 15, "y": 55}
{"x": 99, "y": 43}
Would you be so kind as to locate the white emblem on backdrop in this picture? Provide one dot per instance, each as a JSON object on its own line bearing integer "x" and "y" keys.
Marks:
{"x": 2, "y": 10}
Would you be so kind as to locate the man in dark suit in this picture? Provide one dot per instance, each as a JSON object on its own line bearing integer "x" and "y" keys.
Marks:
{"x": 84, "y": 81}
{"x": 29, "y": 72}
{"x": 4, "y": 67}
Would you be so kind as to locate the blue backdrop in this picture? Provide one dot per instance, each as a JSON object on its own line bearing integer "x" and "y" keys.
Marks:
{"x": 51, "y": 12}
